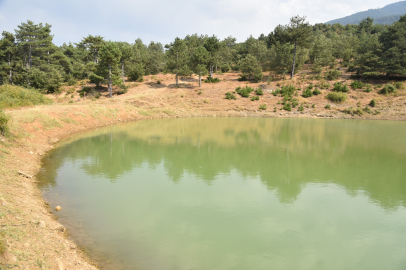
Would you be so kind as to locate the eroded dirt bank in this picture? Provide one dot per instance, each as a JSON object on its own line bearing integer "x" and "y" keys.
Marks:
{"x": 33, "y": 237}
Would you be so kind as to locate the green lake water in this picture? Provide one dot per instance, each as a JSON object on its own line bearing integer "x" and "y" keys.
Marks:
{"x": 235, "y": 193}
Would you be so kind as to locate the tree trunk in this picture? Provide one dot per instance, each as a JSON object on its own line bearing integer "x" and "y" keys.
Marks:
{"x": 122, "y": 71}
{"x": 200, "y": 79}
{"x": 110, "y": 87}
{"x": 294, "y": 61}
{"x": 10, "y": 78}
{"x": 29, "y": 57}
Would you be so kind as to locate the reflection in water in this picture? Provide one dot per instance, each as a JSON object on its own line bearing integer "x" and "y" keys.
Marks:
{"x": 189, "y": 193}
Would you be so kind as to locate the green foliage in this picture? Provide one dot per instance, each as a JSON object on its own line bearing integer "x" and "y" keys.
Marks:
{"x": 372, "y": 103}
{"x": 225, "y": 68}
{"x": 123, "y": 89}
{"x": 244, "y": 91}
{"x": 332, "y": 75}
{"x": 308, "y": 92}
{"x": 136, "y": 72}
{"x": 287, "y": 106}
{"x": 328, "y": 106}
{"x": 295, "y": 102}
{"x": 250, "y": 68}
{"x": 357, "y": 85}
{"x": 339, "y": 87}
{"x": 285, "y": 91}
{"x": 324, "y": 85}
{"x": 4, "y": 119}
{"x": 316, "y": 91}
{"x": 253, "y": 98}
{"x": 399, "y": 85}
{"x": 262, "y": 107}
{"x": 212, "y": 80}
{"x": 301, "y": 108}
{"x": 388, "y": 89}
{"x": 368, "y": 89}
{"x": 337, "y": 97}
{"x": 94, "y": 78}
{"x": 259, "y": 91}
{"x": 12, "y": 96}
{"x": 85, "y": 91}
{"x": 230, "y": 95}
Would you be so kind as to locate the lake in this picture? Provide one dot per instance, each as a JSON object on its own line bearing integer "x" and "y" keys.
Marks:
{"x": 234, "y": 193}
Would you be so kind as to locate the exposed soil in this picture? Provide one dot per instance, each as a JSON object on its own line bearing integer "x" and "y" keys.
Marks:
{"x": 33, "y": 237}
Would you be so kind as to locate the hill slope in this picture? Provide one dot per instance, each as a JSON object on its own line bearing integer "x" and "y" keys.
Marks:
{"x": 386, "y": 15}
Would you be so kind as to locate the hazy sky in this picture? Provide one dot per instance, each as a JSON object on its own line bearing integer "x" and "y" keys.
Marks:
{"x": 158, "y": 20}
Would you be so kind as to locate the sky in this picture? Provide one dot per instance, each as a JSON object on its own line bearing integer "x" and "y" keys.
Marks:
{"x": 162, "y": 21}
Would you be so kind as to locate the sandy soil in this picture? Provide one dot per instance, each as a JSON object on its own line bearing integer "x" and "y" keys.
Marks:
{"x": 30, "y": 235}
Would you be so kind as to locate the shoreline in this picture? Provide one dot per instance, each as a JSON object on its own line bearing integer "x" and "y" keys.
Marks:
{"x": 34, "y": 239}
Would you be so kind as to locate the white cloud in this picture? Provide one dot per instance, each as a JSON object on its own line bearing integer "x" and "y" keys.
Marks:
{"x": 162, "y": 21}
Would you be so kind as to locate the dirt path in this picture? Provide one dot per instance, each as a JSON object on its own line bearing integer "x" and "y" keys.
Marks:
{"x": 33, "y": 238}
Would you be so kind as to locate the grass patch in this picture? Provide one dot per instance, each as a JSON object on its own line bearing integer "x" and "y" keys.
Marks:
{"x": 12, "y": 96}
{"x": 68, "y": 120}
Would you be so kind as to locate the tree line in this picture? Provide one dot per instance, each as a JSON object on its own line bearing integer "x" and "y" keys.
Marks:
{"x": 29, "y": 58}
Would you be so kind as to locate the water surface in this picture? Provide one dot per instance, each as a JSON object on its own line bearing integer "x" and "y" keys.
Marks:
{"x": 235, "y": 193}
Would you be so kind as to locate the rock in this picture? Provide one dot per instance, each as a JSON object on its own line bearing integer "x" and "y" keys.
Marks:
{"x": 24, "y": 174}
{"x": 41, "y": 224}
{"x": 58, "y": 208}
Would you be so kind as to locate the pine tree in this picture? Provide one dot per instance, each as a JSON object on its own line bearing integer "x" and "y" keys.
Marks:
{"x": 8, "y": 52}
{"x": 212, "y": 45}
{"x": 93, "y": 44}
{"x": 178, "y": 58}
{"x": 299, "y": 34}
{"x": 110, "y": 56}
{"x": 200, "y": 59}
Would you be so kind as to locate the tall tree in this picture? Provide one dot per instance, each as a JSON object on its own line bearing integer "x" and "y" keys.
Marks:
{"x": 212, "y": 45}
{"x": 93, "y": 44}
{"x": 178, "y": 58}
{"x": 110, "y": 56}
{"x": 126, "y": 54}
{"x": 200, "y": 59}
{"x": 7, "y": 53}
{"x": 299, "y": 33}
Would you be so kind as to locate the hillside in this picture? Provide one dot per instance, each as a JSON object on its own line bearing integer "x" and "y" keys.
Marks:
{"x": 386, "y": 15}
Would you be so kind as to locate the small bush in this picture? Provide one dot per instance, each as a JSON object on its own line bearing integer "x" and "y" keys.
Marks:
{"x": 351, "y": 68}
{"x": 314, "y": 106}
{"x": 230, "y": 95}
{"x": 317, "y": 69}
{"x": 212, "y": 80}
{"x": 287, "y": 106}
{"x": 328, "y": 107}
{"x": 367, "y": 110}
{"x": 332, "y": 75}
{"x": 158, "y": 82}
{"x": 259, "y": 91}
{"x": 339, "y": 87}
{"x": 4, "y": 119}
{"x": 123, "y": 89}
{"x": 388, "y": 89}
{"x": 399, "y": 85}
{"x": 357, "y": 85}
{"x": 253, "y": 98}
{"x": 285, "y": 91}
{"x": 316, "y": 91}
{"x": 368, "y": 89}
{"x": 324, "y": 85}
{"x": 225, "y": 68}
{"x": 244, "y": 92}
{"x": 337, "y": 97}
{"x": 262, "y": 107}
{"x": 98, "y": 95}
{"x": 85, "y": 90}
{"x": 242, "y": 78}
{"x": 295, "y": 102}
{"x": 307, "y": 93}
{"x": 372, "y": 103}
{"x": 301, "y": 108}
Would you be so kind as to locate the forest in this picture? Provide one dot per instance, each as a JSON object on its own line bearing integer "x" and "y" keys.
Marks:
{"x": 28, "y": 57}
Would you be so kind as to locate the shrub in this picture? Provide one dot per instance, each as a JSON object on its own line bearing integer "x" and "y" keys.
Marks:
{"x": 259, "y": 91}
{"x": 253, "y": 98}
{"x": 339, "y": 87}
{"x": 351, "y": 68}
{"x": 368, "y": 89}
{"x": 367, "y": 110}
{"x": 324, "y": 85}
{"x": 328, "y": 106}
{"x": 262, "y": 107}
{"x": 337, "y": 97}
{"x": 316, "y": 91}
{"x": 230, "y": 95}
{"x": 314, "y": 106}
{"x": 85, "y": 91}
{"x": 317, "y": 69}
{"x": 12, "y": 96}
{"x": 388, "y": 89}
{"x": 123, "y": 89}
{"x": 357, "y": 85}
{"x": 4, "y": 119}
{"x": 212, "y": 80}
{"x": 225, "y": 68}
{"x": 287, "y": 106}
{"x": 98, "y": 95}
{"x": 285, "y": 91}
{"x": 136, "y": 72}
{"x": 307, "y": 92}
{"x": 399, "y": 85}
{"x": 301, "y": 108}
{"x": 332, "y": 75}
{"x": 242, "y": 78}
{"x": 244, "y": 92}
{"x": 372, "y": 103}
{"x": 295, "y": 102}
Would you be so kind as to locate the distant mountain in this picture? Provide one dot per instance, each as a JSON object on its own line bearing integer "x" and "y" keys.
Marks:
{"x": 386, "y": 15}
